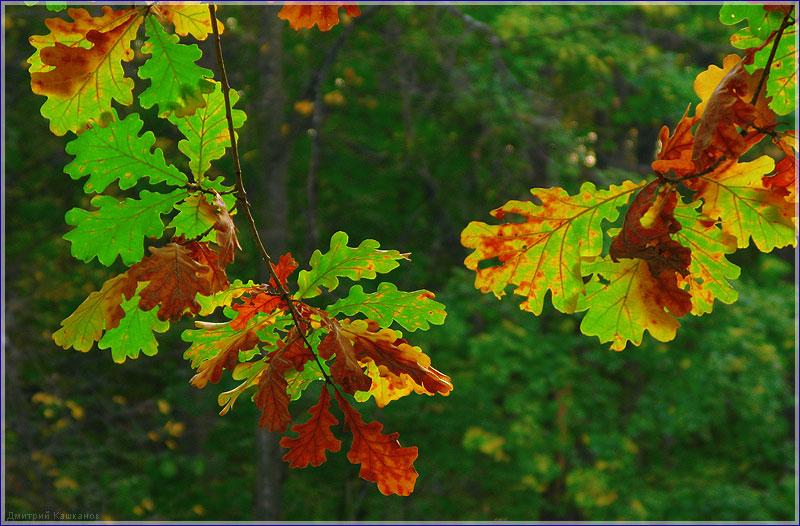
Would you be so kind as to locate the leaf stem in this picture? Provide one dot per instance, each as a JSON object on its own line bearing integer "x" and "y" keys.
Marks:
{"x": 241, "y": 196}
{"x": 787, "y": 21}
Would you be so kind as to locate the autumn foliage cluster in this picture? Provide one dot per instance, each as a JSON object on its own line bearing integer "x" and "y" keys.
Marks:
{"x": 667, "y": 258}
{"x": 174, "y": 230}
{"x": 274, "y": 342}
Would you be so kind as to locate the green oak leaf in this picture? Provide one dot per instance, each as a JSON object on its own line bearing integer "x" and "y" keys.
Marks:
{"x": 760, "y": 23}
{"x": 195, "y": 216}
{"x": 362, "y": 262}
{"x": 177, "y": 84}
{"x": 781, "y": 83}
{"x": 411, "y": 310}
{"x": 782, "y": 80}
{"x": 619, "y": 307}
{"x": 118, "y": 228}
{"x": 206, "y": 131}
{"x": 710, "y": 271}
{"x": 117, "y": 152}
{"x": 134, "y": 334}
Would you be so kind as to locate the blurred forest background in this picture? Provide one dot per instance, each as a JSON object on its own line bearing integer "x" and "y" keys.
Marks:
{"x": 402, "y": 125}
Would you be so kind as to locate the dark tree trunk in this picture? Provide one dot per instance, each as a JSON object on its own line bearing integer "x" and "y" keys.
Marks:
{"x": 269, "y": 196}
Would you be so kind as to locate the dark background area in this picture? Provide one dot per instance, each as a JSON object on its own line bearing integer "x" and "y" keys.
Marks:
{"x": 423, "y": 119}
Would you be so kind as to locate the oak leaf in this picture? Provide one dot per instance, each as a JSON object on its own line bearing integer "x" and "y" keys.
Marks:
{"x": 383, "y": 460}
{"x": 394, "y": 356}
{"x": 710, "y": 272}
{"x": 177, "y": 83}
{"x": 346, "y": 369}
{"x": 82, "y": 81}
{"x": 646, "y": 234}
{"x": 624, "y": 299}
{"x": 362, "y": 262}
{"x": 324, "y": 16}
{"x": 735, "y": 194}
{"x": 543, "y": 246}
{"x": 314, "y": 437}
{"x": 206, "y": 131}
{"x": 272, "y": 399}
{"x": 195, "y": 217}
{"x": 675, "y": 154}
{"x": 226, "y": 232}
{"x": 175, "y": 279}
{"x": 118, "y": 228}
{"x": 134, "y": 334}
{"x": 725, "y": 110}
{"x": 188, "y": 18}
{"x": 411, "y": 310}
{"x": 101, "y": 310}
{"x": 118, "y": 153}
{"x": 224, "y": 298}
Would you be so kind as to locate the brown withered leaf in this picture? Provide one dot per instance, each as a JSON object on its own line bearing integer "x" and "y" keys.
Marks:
{"x": 646, "y": 235}
{"x": 175, "y": 278}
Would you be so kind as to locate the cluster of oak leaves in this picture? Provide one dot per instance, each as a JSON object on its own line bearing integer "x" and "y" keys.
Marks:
{"x": 668, "y": 258}
{"x": 666, "y": 261}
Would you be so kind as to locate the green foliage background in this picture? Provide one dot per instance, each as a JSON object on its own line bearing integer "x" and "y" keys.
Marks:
{"x": 430, "y": 120}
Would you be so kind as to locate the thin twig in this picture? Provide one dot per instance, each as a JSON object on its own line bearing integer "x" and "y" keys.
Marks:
{"x": 241, "y": 197}
{"x": 786, "y": 23}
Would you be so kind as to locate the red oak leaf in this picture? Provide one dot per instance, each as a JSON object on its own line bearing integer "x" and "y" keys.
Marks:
{"x": 286, "y": 265}
{"x": 383, "y": 460}
{"x": 314, "y": 437}
{"x": 675, "y": 154}
{"x": 211, "y": 370}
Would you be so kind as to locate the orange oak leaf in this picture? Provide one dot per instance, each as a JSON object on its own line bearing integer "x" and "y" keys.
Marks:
{"x": 383, "y": 460}
{"x": 387, "y": 386}
{"x": 210, "y": 371}
{"x": 346, "y": 369}
{"x": 324, "y": 16}
{"x": 725, "y": 109}
{"x": 394, "y": 356}
{"x": 258, "y": 301}
{"x": 314, "y": 437}
{"x": 261, "y": 299}
{"x": 271, "y": 397}
{"x": 285, "y": 267}
{"x": 188, "y": 18}
{"x": 675, "y": 154}
{"x": 175, "y": 278}
{"x": 73, "y": 33}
